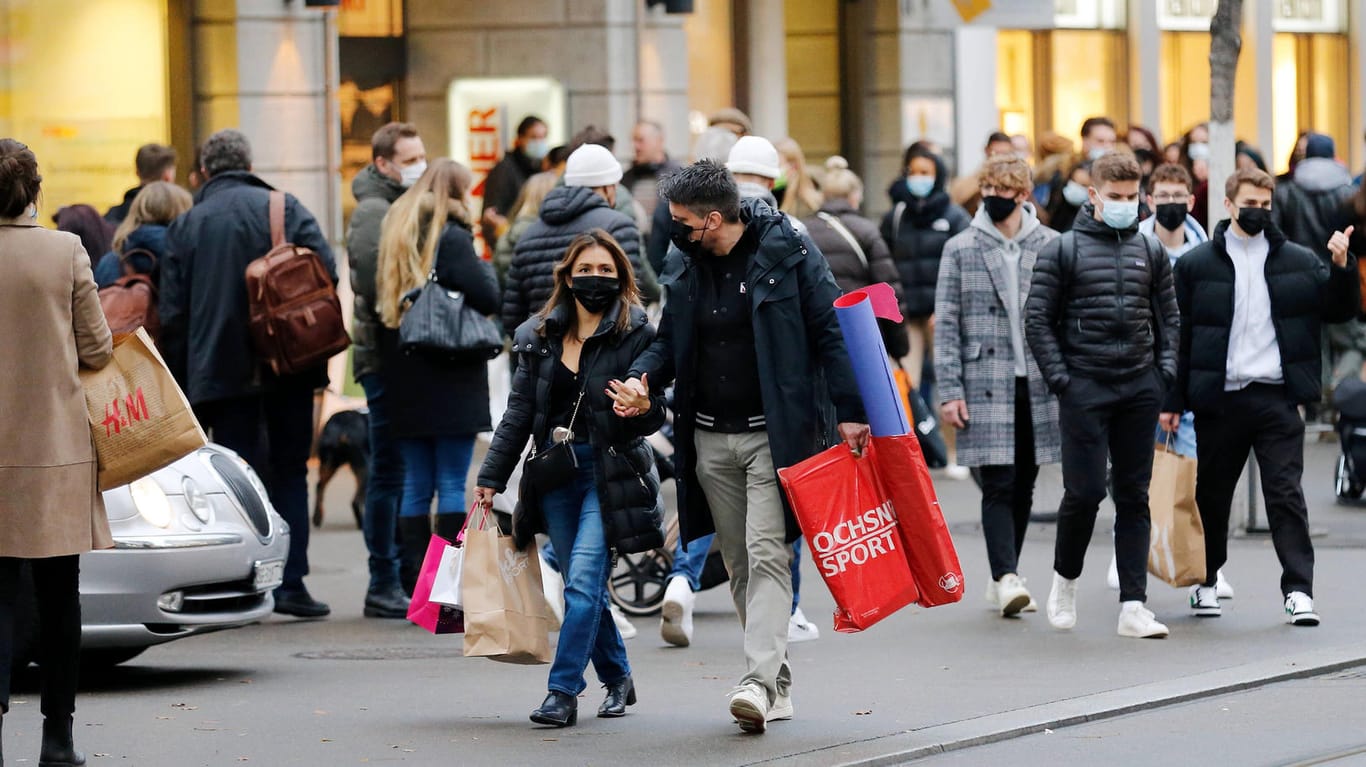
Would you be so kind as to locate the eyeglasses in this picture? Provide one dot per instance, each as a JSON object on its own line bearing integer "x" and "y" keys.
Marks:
{"x": 1167, "y": 197}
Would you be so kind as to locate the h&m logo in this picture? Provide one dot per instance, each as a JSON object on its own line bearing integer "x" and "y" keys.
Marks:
{"x": 133, "y": 410}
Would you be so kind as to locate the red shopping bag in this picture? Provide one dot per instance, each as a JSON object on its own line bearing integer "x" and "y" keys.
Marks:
{"x": 436, "y": 618}
{"x": 925, "y": 538}
{"x": 851, "y": 529}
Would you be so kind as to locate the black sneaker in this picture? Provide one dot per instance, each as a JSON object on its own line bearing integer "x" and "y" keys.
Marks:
{"x": 300, "y": 604}
{"x": 386, "y": 603}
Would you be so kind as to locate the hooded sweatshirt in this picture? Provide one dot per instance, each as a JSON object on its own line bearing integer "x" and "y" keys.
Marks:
{"x": 1010, "y": 258}
{"x": 1309, "y": 208}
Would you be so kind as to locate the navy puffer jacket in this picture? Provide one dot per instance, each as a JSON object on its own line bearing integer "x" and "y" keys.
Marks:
{"x": 915, "y": 230}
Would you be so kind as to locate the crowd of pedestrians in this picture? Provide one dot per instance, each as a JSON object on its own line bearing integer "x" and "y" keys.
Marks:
{"x": 1073, "y": 307}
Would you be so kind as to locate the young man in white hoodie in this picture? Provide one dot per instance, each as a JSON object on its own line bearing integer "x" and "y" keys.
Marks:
{"x": 988, "y": 378}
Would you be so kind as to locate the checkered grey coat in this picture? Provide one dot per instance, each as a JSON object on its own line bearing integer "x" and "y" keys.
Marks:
{"x": 973, "y": 357}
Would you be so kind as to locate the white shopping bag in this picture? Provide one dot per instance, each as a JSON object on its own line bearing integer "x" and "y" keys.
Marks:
{"x": 446, "y": 587}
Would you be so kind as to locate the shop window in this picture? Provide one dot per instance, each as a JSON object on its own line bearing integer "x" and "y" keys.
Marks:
{"x": 710, "y": 31}
{"x": 373, "y": 67}
{"x": 1053, "y": 80}
{"x": 84, "y": 85}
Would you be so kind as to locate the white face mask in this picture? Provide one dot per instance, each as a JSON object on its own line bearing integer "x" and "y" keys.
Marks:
{"x": 409, "y": 174}
{"x": 1075, "y": 194}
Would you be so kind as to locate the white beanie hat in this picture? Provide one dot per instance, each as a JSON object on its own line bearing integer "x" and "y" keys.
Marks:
{"x": 754, "y": 155}
{"x": 591, "y": 165}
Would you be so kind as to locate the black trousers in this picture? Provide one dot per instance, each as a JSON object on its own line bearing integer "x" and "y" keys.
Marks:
{"x": 57, "y": 592}
{"x": 1259, "y": 418}
{"x": 1008, "y": 493}
{"x": 274, "y": 433}
{"x": 1097, "y": 418}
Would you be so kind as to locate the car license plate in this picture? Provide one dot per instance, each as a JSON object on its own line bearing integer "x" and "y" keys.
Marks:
{"x": 268, "y": 575}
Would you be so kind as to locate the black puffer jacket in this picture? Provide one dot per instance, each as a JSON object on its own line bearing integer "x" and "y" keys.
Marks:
{"x": 627, "y": 490}
{"x": 1308, "y": 208}
{"x": 568, "y": 211}
{"x": 922, "y": 227}
{"x": 1305, "y": 291}
{"x": 1101, "y": 306}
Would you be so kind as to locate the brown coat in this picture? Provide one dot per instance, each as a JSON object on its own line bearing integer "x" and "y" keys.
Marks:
{"x": 51, "y": 323}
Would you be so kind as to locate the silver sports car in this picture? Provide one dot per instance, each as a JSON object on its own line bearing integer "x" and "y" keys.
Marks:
{"x": 197, "y": 548}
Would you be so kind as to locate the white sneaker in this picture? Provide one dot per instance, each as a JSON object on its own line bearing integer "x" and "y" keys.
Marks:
{"x": 956, "y": 472}
{"x": 1062, "y": 602}
{"x": 1223, "y": 587}
{"x": 1204, "y": 602}
{"x": 1138, "y": 621}
{"x": 749, "y": 706}
{"x": 552, "y": 583}
{"x": 1012, "y": 596}
{"x": 799, "y": 629}
{"x": 1033, "y": 606}
{"x": 676, "y": 625}
{"x": 781, "y": 709}
{"x": 1112, "y": 575}
{"x": 624, "y": 626}
{"x": 1299, "y": 609}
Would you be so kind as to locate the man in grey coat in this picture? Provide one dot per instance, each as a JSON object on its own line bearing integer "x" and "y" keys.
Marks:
{"x": 399, "y": 160}
{"x": 987, "y": 376}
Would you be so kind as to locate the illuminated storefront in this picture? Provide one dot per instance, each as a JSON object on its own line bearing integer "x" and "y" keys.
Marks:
{"x": 1089, "y": 64}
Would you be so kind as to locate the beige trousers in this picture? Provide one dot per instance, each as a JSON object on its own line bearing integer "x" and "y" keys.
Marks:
{"x": 737, "y": 476}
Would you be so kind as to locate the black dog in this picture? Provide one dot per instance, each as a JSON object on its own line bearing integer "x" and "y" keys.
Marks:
{"x": 345, "y": 441}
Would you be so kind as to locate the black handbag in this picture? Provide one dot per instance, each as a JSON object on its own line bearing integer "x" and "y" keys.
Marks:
{"x": 438, "y": 323}
{"x": 554, "y": 467}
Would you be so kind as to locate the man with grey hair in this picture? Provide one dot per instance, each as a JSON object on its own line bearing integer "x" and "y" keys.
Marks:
{"x": 267, "y": 419}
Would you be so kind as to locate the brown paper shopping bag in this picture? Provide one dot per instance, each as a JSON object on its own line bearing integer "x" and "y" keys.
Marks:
{"x": 506, "y": 617}
{"x": 139, "y": 416}
{"x": 1176, "y": 550}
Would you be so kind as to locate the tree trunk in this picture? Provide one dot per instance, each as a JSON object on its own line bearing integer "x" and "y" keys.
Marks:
{"x": 1225, "y": 31}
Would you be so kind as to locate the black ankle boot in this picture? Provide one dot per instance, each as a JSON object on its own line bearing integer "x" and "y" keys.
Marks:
{"x": 414, "y": 533}
{"x": 58, "y": 750}
{"x": 558, "y": 710}
{"x": 619, "y": 695}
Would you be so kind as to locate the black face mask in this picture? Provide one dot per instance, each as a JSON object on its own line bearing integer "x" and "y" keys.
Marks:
{"x": 999, "y": 208}
{"x": 1254, "y": 221}
{"x": 680, "y": 234}
{"x": 1171, "y": 215}
{"x": 595, "y": 293}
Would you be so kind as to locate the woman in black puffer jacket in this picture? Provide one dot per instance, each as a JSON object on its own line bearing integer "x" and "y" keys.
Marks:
{"x": 921, "y": 220}
{"x": 571, "y": 352}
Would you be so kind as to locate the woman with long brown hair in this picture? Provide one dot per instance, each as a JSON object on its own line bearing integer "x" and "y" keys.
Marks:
{"x": 51, "y": 510}
{"x": 438, "y": 405}
{"x": 573, "y": 353}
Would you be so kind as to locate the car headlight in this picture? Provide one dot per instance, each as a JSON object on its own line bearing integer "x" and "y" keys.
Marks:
{"x": 197, "y": 501}
{"x": 151, "y": 501}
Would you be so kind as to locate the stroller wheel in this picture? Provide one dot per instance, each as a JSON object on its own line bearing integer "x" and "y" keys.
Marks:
{"x": 637, "y": 583}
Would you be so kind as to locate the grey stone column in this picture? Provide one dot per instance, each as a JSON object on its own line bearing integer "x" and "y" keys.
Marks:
{"x": 269, "y": 69}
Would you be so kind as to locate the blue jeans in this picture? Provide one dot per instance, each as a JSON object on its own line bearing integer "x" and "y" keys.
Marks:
{"x": 385, "y": 490}
{"x": 688, "y": 564}
{"x": 573, "y": 518}
{"x": 435, "y": 466}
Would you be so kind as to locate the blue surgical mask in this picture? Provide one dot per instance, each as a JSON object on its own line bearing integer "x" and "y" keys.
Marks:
{"x": 1197, "y": 150}
{"x": 1075, "y": 194}
{"x": 920, "y": 186}
{"x": 537, "y": 148}
{"x": 1119, "y": 215}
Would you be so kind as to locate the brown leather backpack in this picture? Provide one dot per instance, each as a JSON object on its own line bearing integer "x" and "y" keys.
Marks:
{"x": 131, "y": 301}
{"x": 295, "y": 315}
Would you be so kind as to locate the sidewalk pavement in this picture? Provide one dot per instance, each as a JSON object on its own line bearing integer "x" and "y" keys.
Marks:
{"x": 919, "y": 683}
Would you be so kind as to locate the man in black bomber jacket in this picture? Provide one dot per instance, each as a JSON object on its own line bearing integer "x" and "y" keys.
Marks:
{"x": 1101, "y": 320}
{"x": 1249, "y": 356}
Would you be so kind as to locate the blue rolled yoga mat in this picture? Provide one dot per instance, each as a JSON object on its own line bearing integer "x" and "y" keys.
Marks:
{"x": 857, "y": 312}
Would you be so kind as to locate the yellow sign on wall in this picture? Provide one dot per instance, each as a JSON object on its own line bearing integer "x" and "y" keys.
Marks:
{"x": 971, "y": 9}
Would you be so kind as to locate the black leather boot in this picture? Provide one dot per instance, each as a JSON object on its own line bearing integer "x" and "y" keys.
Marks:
{"x": 619, "y": 695}
{"x": 58, "y": 750}
{"x": 448, "y": 526}
{"x": 414, "y": 533}
{"x": 558, "y": 710}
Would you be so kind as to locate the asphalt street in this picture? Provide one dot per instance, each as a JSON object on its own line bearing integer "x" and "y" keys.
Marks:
{"x": 955, "y": 684}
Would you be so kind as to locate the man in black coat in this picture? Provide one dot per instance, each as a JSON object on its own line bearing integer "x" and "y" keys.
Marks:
{"x": 154, "y": 162}
{"x": 1101, "y": 320}
{"x": 1251, "y": 307}
{"x": 762, "y": 377}
{"x": 505, "y": 180}
{"x": 207, "y": 345}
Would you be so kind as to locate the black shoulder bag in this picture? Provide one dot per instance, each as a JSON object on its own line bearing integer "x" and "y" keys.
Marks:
{"x": 554, "y": 467}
